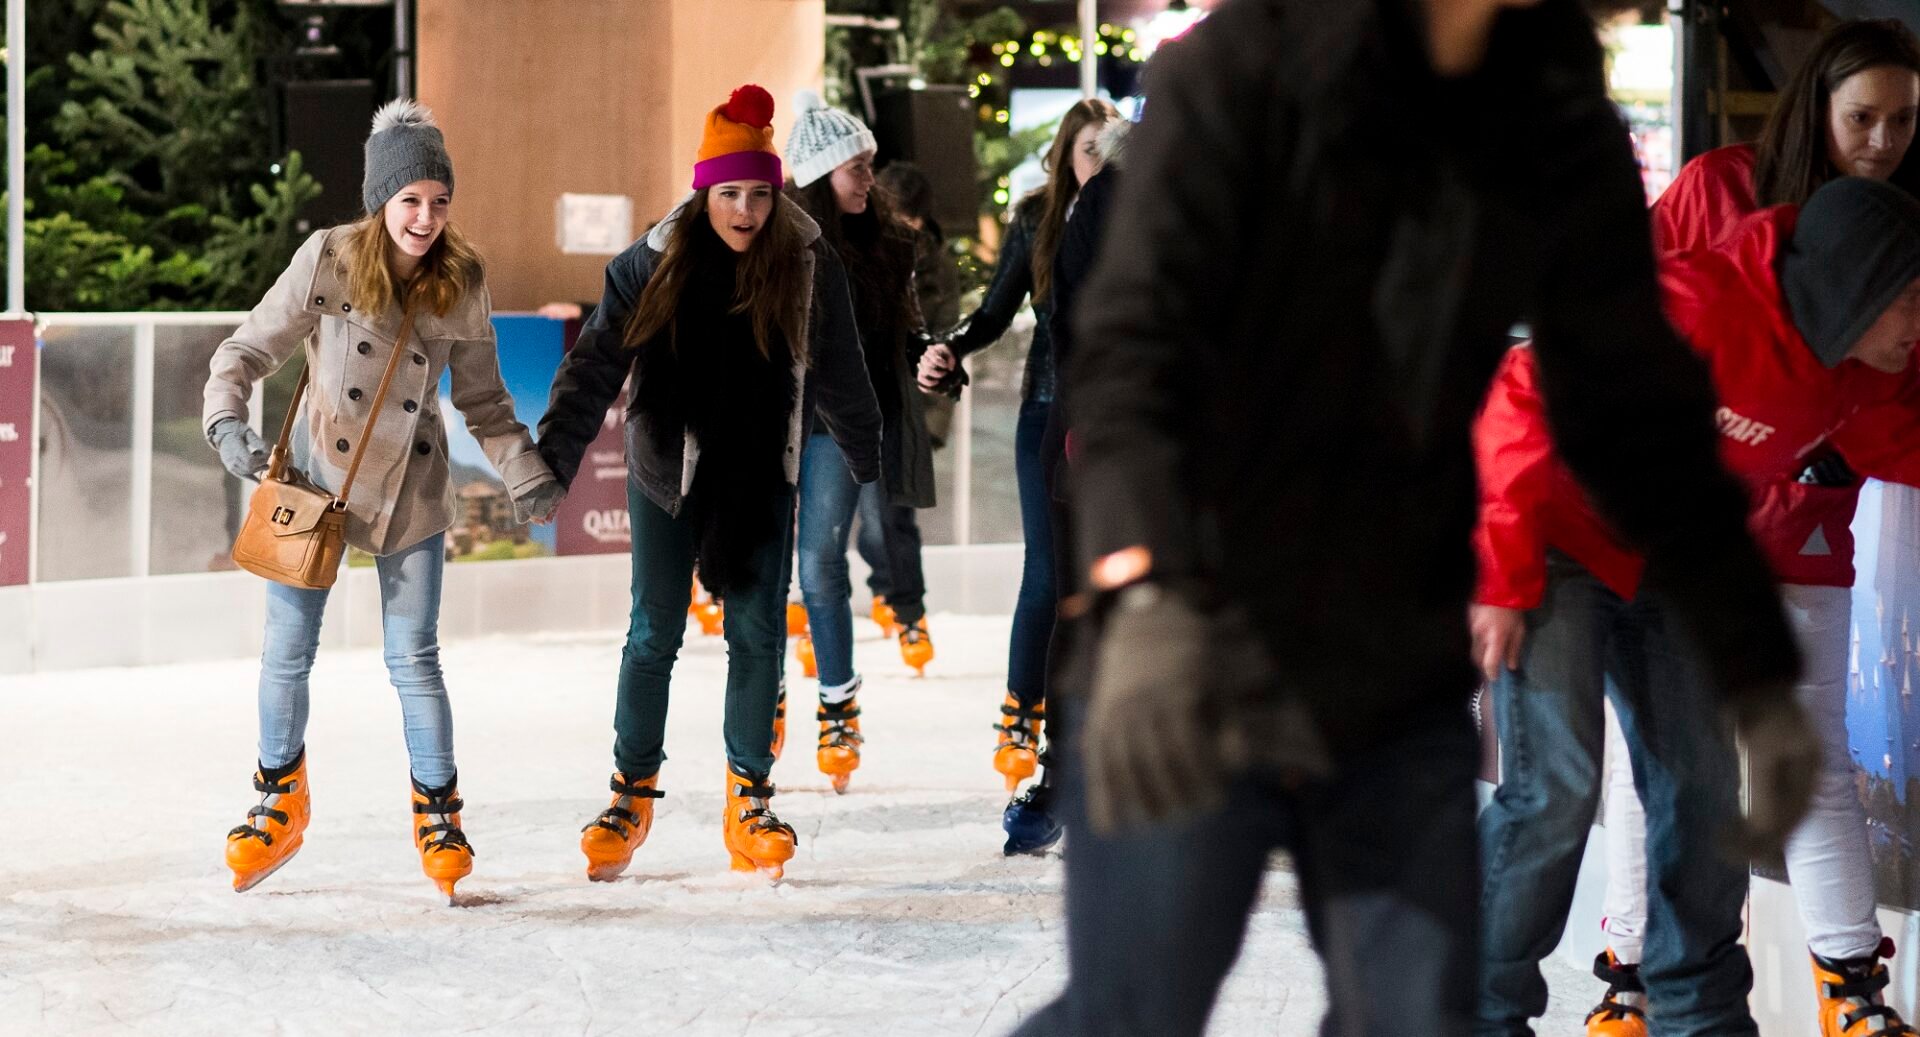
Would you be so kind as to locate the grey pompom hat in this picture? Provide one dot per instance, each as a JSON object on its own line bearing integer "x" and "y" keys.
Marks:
{"x": 406, "y": 145}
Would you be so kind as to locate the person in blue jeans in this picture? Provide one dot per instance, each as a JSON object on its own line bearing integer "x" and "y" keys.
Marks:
{"x": 340, "y": 302}
{"x": 732, "y": 318}
{"x": 1023, "y": 271}
{"x": 834, "y": 182}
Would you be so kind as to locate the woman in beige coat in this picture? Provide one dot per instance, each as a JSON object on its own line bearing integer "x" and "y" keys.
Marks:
{"x": 342, "y": 299}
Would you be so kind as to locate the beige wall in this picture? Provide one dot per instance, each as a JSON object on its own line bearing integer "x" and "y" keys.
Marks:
{"x": 540, "y": 97}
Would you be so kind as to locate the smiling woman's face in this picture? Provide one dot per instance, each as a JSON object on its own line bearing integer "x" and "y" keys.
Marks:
{"x": 738, "y": 209}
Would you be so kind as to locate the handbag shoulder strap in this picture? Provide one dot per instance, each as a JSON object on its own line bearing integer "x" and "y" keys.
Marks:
{"x": 380, "y": 397}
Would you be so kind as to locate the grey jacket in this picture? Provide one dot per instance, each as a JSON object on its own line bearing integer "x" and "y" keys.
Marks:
{"x": 834, "y": 377}
{"x": 404, "y": 492}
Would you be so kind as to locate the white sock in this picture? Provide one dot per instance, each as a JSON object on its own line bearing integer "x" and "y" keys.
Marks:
{"x": 835, "y": 696}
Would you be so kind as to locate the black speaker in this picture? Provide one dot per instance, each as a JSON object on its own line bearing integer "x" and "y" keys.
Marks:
{"x": 933, "y": 128}
{"x": 327, "y": 121}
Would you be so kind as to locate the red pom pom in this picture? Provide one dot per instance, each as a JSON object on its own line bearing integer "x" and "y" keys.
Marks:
{"x": 751, "y": 106}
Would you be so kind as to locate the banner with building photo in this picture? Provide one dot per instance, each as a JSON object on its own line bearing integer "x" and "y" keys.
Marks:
{"x": 17, "y": 445}
{"x": 483, "y": 527}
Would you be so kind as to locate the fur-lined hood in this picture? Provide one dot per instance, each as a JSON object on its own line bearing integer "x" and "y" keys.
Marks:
{"x": 662, "y": 232}
{"x": 1112, "y": 142}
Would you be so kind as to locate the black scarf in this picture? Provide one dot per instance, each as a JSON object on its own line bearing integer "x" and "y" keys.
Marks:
{"x": 705, "y": 374}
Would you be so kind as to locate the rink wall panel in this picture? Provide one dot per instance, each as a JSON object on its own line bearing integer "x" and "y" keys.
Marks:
{"x": 78, "y": 624}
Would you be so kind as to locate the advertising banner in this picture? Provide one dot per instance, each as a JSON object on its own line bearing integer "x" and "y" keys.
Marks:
{"x": 483, "y": 526}
{"x": 16, "y": 449}
{"x": 593, "y": 517}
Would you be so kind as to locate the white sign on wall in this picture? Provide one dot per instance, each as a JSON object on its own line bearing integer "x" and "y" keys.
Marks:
{"x": 594, "y": 224}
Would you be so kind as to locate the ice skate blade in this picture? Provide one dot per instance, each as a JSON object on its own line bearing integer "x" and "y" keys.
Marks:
{"x": 1013, "y": 784}
{"x": 1014, "y": 848}
{"x": 606, "y": 872}
{"x": 840, "y": 783}
{"x": 242, "y": 885}
{"x": 446, "y": 887}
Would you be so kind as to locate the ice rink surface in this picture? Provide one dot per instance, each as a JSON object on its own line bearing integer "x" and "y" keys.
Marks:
{"x": 899, "y": 916}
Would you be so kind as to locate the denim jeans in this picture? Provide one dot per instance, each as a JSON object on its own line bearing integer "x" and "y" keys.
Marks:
{"x": 828, "y": 500}
{"x": 1384, "y": 854}
{"x": 756, "y": 631}
{"x": 1534, "y": 832}
{"x": 1033, "y": 611}
{"x": 889, "y": 542}
{"x": 410, "y": 623}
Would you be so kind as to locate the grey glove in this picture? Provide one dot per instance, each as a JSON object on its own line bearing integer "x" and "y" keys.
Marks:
{"x": 537, "y": 504}
{"x": 1782, "y": 759}
{"x": 242, "y": 450}
{"x": 1170, "y": 691}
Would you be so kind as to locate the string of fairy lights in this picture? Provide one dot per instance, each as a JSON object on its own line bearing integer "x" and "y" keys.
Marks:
{"x": 1043, "y": 48}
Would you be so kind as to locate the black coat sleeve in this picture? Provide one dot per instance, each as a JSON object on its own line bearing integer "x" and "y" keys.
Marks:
{"x": 1079, "y": 247}
{"x": 594, "y": 369}
{"x": 1630, "y": 406}
{"x": 1149, "y": 315}
{"x": 1006, "y": 293}
{"x": 842, "y": 388}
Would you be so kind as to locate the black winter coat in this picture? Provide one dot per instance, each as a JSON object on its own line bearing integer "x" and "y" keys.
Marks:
{"x": 833, "y": 381}
{"x": 1008, "y": 291}
{"x": 1312, "y": 267}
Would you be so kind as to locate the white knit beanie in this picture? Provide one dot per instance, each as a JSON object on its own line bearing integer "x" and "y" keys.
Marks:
{"x": 823, "y": 138}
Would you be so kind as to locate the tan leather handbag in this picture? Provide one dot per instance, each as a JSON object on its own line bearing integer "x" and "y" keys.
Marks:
{"x": 295, "y": 532}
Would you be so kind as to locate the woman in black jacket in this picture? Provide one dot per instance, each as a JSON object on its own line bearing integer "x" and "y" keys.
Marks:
{"x": 733, "y": 320}
{"x": 1025, "y": 269}
{"x": 832, "y": 155}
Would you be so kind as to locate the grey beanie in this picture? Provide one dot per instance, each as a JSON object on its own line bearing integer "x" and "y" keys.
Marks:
{"x": 823, "y": 138}
{"x": 405, "y": 146}
{"x": 1855, "y": 248}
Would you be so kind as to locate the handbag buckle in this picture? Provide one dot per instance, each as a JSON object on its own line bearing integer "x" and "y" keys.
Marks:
{"x": 283, "y": 516}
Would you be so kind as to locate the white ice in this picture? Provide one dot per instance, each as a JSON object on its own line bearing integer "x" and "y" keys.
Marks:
{"x": 898, "y": 917}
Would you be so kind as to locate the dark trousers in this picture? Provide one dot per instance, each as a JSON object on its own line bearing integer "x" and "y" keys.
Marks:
{"x": 756, "y": 631}
{"x": 1384, "y": 854}
{"x": 1034, "y": 610}
{"x": 889, "y": 542}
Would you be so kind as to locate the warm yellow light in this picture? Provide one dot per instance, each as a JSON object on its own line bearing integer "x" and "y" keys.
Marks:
{"x": 1006, "y": 60}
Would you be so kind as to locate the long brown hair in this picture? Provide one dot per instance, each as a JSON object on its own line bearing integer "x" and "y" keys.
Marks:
{"x": 875, "y": 245}
{"x": 769, "y": 282}
{"x": 1061, "y": 188}
{"x": 449, "y": 270}
{"x": 1791, "y": 158}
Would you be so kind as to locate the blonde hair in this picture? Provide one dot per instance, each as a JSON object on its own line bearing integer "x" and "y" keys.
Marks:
{"x": 449, "y": 270}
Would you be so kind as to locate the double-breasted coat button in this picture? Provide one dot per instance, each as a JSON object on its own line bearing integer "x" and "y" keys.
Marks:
{"x": 410, "y": 406}
{"x": 319, "y": 300}
{"x": 418, "y": 359}
{"x": 346, "y": 307}
{"x": 340, "y": 445}
{"x": 364, "y": 348}
{"x": 354, "y": 394}
{"x": 422, "y": 448}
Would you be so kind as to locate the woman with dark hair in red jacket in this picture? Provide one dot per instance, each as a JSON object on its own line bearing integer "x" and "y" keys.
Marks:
{"x": 1849, "y": 111}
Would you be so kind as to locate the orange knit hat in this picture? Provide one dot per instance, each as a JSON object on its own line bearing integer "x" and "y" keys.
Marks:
{"x": 738, "y": 141}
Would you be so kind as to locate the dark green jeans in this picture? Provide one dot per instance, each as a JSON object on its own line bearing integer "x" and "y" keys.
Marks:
{"x": 756, "y": 629}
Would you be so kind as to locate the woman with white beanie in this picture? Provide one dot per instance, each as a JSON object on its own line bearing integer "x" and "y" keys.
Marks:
{"x": 832, "y": 157}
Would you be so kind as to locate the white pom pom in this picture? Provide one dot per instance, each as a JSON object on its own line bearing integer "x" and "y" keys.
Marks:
{"x": 402, "y": 111}
{"x": 808, "y": 100}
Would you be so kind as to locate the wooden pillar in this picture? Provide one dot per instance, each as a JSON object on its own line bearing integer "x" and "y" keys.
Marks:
{"x": 542, "y": 97}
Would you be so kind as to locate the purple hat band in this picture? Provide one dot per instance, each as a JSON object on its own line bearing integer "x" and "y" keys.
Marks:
{"x": 741, "y": 165}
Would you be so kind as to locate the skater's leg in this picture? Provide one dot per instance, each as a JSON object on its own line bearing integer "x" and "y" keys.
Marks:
{"x": 871, "y": 539}
{"x": 756, "y": 626}
{"x": 1625, "y": 903}
{"x": 286, "y": 658}
{"x": 662, "y": 586}
{"x": 907, "y": 579}
{"x": 1033, "y": 612}
{"x": 1827, "y": 856}
{"x": 1155, "y": 918}
{"x": 1696, "y": 973}
{"x": 1534, "y": 831}
{"x": 1386, "y": 858}
{"x": 828, "y": 496}
{"x": 410, "y": 582}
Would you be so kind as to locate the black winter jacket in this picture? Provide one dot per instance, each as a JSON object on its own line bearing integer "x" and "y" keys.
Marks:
{"x": 1011, "y": 285}
{"x": 1310, "y": 273}
{"x": 833, "y": 381}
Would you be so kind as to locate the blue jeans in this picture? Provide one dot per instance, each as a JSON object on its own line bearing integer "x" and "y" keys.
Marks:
{"x": 1533, "y": 834}
{"x": 756, "y": 630}
{"x": 1384, "y": 855}
{"x": 828, "y": 500}
{"x": 889, "y": 542}
{"x": 410, "y": 622}
{"x": 1034, "y": 610}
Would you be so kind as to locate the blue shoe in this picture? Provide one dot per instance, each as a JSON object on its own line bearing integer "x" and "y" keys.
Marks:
{"x": 1030, "y": 822}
